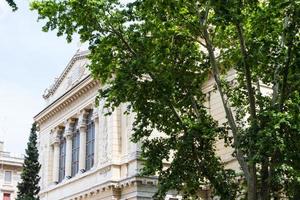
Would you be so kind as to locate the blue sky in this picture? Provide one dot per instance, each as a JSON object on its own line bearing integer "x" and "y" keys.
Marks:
{"x": 29, "y": 61}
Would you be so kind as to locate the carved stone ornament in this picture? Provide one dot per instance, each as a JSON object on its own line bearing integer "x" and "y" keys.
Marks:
{"x": 76, "y": 74}
{"x": 95, "y": 114}
{"x": 55, "y": 135}
{"x": 69, "y": 128}
{"x": 83, "y": 119}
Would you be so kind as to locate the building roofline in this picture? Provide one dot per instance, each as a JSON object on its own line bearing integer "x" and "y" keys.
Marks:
{"x": 61, "y": 97}
{"x": 58, "y": 81}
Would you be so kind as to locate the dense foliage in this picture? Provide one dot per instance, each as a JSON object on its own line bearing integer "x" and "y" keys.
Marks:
{"x": 28, "y": 188}
{"x": 156, "y": 55}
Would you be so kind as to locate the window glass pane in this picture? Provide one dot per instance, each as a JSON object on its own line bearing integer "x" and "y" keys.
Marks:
{"x": 75, "y": 149}
{"x": 62, "y": 157}
{"x": 7, "y": 176}
{"x": 90, "y": 137}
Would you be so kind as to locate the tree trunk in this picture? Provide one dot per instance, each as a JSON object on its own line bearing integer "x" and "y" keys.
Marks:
{"x": 229, "y": 115}
{"x": 252, "y": 185}
{"x": 265, "y": 184}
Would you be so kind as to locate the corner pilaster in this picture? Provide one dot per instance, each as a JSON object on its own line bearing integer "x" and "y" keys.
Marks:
{"x": 55, "y": 143}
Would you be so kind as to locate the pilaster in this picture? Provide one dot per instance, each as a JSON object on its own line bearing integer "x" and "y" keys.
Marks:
{"x": 68, "y": 135}
{"x": 82, "y": 143}
{"x": 55, "y": 143}
{"x": 97, "y": 134}
{"x": 116, "y": 134}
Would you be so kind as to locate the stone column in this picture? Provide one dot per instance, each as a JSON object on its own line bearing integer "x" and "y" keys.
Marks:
{"x": 82, "y": 143}
{"x": 55, "y": 144}
{"x": 97, "y": 134}
{"x": 68, "y": 135}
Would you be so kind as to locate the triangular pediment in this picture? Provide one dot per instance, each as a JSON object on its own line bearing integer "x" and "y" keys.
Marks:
{"x": 75, "y": 72}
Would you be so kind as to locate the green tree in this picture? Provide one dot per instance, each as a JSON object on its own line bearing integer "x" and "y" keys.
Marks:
{"x": 28, "y": 188}
{"x": 156, "y": 55}
{"x": 12, "y": 4}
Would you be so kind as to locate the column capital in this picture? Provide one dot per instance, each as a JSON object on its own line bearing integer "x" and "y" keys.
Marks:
{"x": 69, "y": 127}
{"x": 95, "y": 114}
{"x": 82, "y": 128}
{"x": 82, "y": 121}
{"x": 55, "y": 142}
{"x": 68, "y": 136}
{"x": 55, "y": 137}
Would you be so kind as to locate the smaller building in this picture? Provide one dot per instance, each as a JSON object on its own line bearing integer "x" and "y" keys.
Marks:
{"x": 10, "y": 171}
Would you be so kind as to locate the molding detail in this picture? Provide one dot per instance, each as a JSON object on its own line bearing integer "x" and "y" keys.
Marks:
{"x": 115, "y": 186}
{"x": 95, "y": 113}
{"x": 55, "y": 136}
{"x": 69, "y": 128}
{"x": 82, "y": 121}
{"x": 61, "y": 103}
{"x": 58, "y": 81}
{"x": 104, "y": 170}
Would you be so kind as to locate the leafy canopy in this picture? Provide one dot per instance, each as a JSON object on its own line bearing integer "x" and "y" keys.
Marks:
{"x": 156, "y": 55}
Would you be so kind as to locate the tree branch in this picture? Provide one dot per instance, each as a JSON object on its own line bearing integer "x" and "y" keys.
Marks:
{"x": 251, "y": 94}
{"x": 252, "y": 187}
{"x": 229, "y": 115}
{"x": 120, "y": 35}
{"x": 285, "y": 76}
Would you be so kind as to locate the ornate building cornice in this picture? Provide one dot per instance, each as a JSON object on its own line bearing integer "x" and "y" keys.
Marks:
{"x": 115, "y": 186}
{"x": 70, "y": 96}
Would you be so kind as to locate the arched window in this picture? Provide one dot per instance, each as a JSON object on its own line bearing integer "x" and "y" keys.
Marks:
{"x": 90, "y": 141}
{"x": 62, "y": 158}
{"x": 75, "y": 149}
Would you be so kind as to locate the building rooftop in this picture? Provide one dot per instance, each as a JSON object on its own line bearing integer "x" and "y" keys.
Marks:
{"x": 7, "y": 158}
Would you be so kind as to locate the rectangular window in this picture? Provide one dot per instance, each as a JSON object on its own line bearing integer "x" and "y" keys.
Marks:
{"x": 75, "y": 150}
{"x": 62, "y": 158}
{"x": 90, "y": 141}
{"x": 7, "y": 177}
{"x": 6, "y": 196}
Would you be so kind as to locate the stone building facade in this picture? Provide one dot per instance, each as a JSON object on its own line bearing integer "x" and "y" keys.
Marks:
{"x": 10, "y": 171}
{"x": 84, "y": 153}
